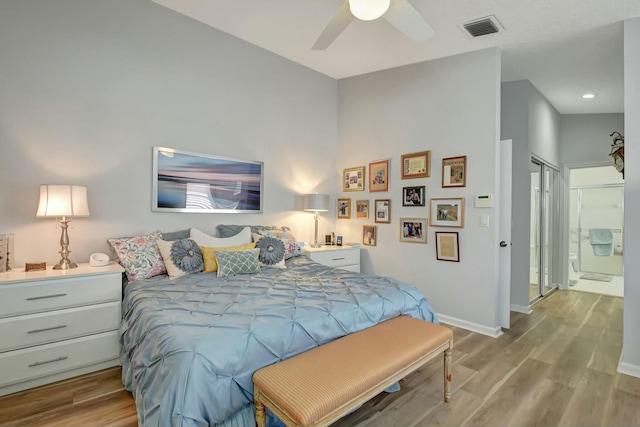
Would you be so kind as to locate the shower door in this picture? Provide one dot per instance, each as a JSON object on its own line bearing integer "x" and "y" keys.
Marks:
{"x": 601, "y": 207}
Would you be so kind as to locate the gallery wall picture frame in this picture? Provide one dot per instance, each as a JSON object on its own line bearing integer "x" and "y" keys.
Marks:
{"x": 362, "y": 209}
{"x": 413, "y": 196}
{"x": 454, "y": 172}
{"x": 353, "y": 179}
{"x": 369, "y": 235}
{"x": 447, "y": 212}
{"x": 447, "y": 246}
{"x": 413, "y": 230}
{"x": 344, "y": 208}
{"x": 203, "y": 183}
{"x": 382, "y": 211}
{"x": 416, "y": 165}
{"x": 379, "y": 176}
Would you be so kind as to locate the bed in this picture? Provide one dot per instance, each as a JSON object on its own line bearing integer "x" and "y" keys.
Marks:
{"x": 190, "y": 345}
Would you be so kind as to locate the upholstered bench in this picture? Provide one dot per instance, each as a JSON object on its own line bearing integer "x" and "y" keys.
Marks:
{"x": 320, "y": 386}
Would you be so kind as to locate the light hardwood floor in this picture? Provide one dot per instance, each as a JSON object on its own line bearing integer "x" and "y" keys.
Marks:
{"x": 554, "y": 367}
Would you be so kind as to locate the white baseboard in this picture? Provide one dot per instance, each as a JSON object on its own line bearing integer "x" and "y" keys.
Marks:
{"x": 520, "y": 308}
{"x": 629, "y": 369}
{"x": 473, "y": 327}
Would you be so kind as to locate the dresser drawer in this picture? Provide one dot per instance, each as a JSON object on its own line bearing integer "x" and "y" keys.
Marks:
{"x": 34, "y": 362}
{"x": 34, "y": 329}
{"x": 45, "y": 295}
{"x": 336, "y": 258}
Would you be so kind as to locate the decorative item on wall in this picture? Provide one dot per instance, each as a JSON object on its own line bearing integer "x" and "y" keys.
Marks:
{"x": 447, "y": 246}
{"x": 383, "y": 211}
{"x": 379, "y": 176}
{"x": 447, "y": 212}
{"x": 353, "y": 179}
{"x": 369, "y": 235}
{"x": 344, "y": 208}
{"x": 189, "y": 182}
{"x": 362, "y": 209}
{"x": 413, "y": 196}
{"x": 416, "y": 165}
{"x": 413, "y": 230}
{"x": 617, "y": 151}
{"x": 316, "y": 203}
{"x": 64, "y": 202}
{"x": 454, "y": 172}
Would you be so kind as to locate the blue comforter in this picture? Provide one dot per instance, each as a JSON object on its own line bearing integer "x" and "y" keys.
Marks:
{"x": 190, "y": 346}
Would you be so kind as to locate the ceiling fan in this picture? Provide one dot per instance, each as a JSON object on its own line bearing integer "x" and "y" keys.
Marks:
{"x": 399, "y": 13}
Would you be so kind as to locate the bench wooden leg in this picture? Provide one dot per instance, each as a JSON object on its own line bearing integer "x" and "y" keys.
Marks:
{"x": 447, "y": 373}
{"x": 261, "y": 418}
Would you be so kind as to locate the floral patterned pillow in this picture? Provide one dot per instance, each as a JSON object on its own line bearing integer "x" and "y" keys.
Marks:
{"x": 181, "y": 257}
{"x": 139, "y": 255}
{"x": 272, "y": 250}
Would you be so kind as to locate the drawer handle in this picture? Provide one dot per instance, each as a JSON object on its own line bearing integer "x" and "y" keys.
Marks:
{"x": 46, "y": 296}
{"x": 46, "y": 329}
{"x": 59, "y": 359}
{"x": 338, "y": 259}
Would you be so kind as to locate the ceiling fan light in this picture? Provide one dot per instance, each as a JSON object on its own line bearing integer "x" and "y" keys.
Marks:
{"x": 368, "y": 10}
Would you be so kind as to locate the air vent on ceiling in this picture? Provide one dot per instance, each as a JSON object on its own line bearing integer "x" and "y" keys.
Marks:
{"x": 482, "y": 26}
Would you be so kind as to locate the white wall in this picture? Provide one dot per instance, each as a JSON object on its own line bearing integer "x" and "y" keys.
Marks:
{"x": 630, "y": 361}
{"x": 450, "y": 107}
{"x": 585, "y": 137}
{"x": 87, "y": 88}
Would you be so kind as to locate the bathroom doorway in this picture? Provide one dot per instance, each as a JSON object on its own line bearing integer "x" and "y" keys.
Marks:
{"x": 596, "y": 231}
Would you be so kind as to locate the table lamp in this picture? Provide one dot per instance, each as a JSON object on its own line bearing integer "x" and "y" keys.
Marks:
{"x": 64, "y": 202}
{"x": 316, "y": 203}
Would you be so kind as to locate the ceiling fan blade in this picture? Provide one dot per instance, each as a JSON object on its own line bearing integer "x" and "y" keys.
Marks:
{"x": 408, "y": 21}
{"x": 335, "y": 27}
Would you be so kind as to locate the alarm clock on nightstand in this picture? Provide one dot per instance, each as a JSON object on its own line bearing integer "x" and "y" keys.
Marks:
{"x": 98, "y": 260}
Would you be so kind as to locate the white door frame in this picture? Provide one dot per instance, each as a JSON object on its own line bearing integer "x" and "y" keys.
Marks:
{"x": 505, "y": 149}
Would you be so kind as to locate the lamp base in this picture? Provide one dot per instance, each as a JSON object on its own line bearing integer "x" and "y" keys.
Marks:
{"x": 65, "y": 264}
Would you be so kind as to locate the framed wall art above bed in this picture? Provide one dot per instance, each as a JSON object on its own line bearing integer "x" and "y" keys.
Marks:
{"x": 190, "y": 182}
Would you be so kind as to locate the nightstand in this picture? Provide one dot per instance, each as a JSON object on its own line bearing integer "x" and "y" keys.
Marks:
{"x": 57, "y": 324}
{"x": 346, "y": 257}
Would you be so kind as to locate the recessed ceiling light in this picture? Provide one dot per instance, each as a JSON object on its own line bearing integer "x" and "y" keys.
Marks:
{"x": 588, "y": 96}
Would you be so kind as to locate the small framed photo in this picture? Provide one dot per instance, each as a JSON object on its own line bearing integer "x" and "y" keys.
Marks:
{"x": 413, "y": 196}
{"x": 379, "y": 176}
{"x": 416, "y": 165}
{"x": 383, "y": 211}
{"x": 447, "y": 246}
{"x": 413, "y": 230}
{"x": 353, "y": 179}
{"x": 362, "y": 209}
{"x": 454, "y": 172}
{"x": 344, "y": 208}
{"x": 369, "y": 235}
{"x": 447, "y": 212}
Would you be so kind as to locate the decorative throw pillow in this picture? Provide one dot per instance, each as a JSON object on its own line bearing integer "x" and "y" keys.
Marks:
{"x": 176, "y": 235}
{"x": 203, "y": 239}
{"x": 139, "y": 255}
{"x": 291, "y": 246}
{"x": 231, "y": 263}
{"x": 209, "y": 255}
{"x": 228, "y": 230}
{"x": 181, "y": 257}
{"x": 272, "y": 250}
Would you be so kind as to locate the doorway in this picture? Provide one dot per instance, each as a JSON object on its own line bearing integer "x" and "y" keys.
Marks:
{"x": 543, "y": 266}
{"x": 596, "y": 231}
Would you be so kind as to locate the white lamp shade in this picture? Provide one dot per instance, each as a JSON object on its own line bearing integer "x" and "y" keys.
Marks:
{"x": 316, "y": 202}
{"x": 63, "y": 200}
{"x": 368, "y": 10}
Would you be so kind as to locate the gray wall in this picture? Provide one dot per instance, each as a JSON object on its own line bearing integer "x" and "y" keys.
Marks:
{"x": 534, "y": 126}
{"x": 450, "y": 107}
{"x": 88, "y": 87}
{"x": 630, "y": 361}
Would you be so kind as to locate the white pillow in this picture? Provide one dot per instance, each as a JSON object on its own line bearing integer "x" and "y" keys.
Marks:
{"x": 203, "y": 239}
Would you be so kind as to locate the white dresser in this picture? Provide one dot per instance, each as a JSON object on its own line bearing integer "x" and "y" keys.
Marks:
{"x": 346, "y": 257}
{"x": 58, "y": 324}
